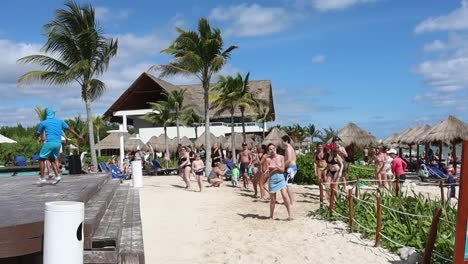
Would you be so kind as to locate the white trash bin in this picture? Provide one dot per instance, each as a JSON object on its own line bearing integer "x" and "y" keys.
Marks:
{"x": 137, "y": 174}
{"x": 63, "y": 232}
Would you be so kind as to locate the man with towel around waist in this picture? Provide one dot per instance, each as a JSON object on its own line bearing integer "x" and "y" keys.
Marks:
{"x": 53, "y": 128}
{"x": 290, "y": 168}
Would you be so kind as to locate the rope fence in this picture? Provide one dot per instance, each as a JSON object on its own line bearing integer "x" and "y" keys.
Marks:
{"x": 428, "y": 252}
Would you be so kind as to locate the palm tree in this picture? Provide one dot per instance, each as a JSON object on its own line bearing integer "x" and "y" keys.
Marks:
{"x": 174, "y": 100}
{"x": 41, "y": 112}
{"x": 161, "y": 115}
{"x": 192, "y": 118}
{"x": 263, "y": 116}
{"x": 312, "y": 131}
{"x": 80, "y": 126}
{"x": 297, "y": 133}
{"x": 327, "y": 134}
{"x": 98, "y": 123}
{"x": 247, "y": 99}
{"x": 79, "y": 52}
{"x": 227, "y": 99}
{"x": 201, "y": 54}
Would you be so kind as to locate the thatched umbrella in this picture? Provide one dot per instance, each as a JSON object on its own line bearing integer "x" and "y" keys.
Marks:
{"x": 112, "y": 141}
{"x": 451, "y": 131}
{"x": 133, "y": 144}
{"x": 221, "y": 140}
{"x": 160, "y": 143}
{"x": 238, "y": 139}
{"x": 185, "y": 141}
{"x": 390, "y": 140}
{"x": 352, "y": 134}
{"x": 274, "y": 137}
{"x": 152, "y": 140}
{"x": 416, "y": 138}
{"x": 201, "y": 139}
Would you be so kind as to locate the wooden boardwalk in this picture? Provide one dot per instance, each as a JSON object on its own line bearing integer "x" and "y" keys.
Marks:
{"x": 22, "y": 205}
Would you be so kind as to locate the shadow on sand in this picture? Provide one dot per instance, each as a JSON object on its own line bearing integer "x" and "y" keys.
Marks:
{"x": 254, "y": 216}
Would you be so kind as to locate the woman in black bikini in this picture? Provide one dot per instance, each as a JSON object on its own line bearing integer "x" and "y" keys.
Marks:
{"x": 216, "y": 155}
{"x": 334, "y": 165}
{"x": 185, "y": 166}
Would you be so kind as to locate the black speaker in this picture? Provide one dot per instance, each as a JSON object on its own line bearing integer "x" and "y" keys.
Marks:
{"x": 74, "y": 164}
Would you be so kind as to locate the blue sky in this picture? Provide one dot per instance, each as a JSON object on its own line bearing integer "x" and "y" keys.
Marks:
{"x": 382, "y": 64}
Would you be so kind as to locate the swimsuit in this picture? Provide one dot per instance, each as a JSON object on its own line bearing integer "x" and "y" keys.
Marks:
{"x": 244, "y": 167}
{"x": 182, "y": 160}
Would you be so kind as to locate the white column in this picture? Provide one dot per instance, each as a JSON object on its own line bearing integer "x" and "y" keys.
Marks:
{"x": 124, "y": 122}
{"x": 122, "y": 146}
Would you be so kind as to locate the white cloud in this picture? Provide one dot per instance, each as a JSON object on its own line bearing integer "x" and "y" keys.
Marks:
{"x": 331, "y": 5}
{"x": 436, "y": 45}
{"x": 456, "y": 20}
{"x": 252, "y": 20}
{"x": 319, "y": 58}
{"x": 107, "y": 14}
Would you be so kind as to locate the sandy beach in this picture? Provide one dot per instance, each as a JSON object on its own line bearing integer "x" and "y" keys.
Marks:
{"x": 227, "y": 225}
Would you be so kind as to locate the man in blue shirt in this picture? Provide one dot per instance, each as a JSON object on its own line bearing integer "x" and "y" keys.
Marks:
{"x": 53, "y": 128}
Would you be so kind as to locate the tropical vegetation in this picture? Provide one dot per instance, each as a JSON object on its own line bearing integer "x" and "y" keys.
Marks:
{"x": 198, "y": 53}
{"x": 77, "y": 51}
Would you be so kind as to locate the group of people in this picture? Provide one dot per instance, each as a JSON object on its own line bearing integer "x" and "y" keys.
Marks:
{"x": 268, "y": 171}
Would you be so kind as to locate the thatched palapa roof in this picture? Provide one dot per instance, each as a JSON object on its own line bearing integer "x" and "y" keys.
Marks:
{"x": 147, "y": 88}
{"x": 112, "y": 141}
{"x": 417, "y": 135}
{"x": 238, "y": 140}
{"x": 201, "y": 140}
{"x": 274, "y": 137}
{"x": 390, "y": 140}
{"x": 450, "y": 131}
{"x": 352, "y": 134}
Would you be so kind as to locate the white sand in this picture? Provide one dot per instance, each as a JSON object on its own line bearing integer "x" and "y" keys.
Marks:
{"x": 227, "y": 225}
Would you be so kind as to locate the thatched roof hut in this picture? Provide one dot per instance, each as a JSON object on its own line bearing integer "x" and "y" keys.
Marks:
{"x": 185, "y": 141}
{"x": 352, "y": 134}
{"x": 160, "y": 143}
{"x": 148, "y": 88}
{"x": 274, "y": 137}
{"x": 417, "y": 135}
{"x": 403, "y": 134}
{"x": 152, "y": 140}
{"x": 450, "y": 131}
{"x": 133, "y": 144}
{"x": 390, "y": 140}
{"x": 407, "y": 138}
{"x": 221, "y": 139}
{"x": 201, "y": 140}
{"x": 112, "y": 141}
{"x": 238, "y": 140}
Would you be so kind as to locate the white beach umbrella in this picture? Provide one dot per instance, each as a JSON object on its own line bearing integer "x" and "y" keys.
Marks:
{"x": 4, "y": 139}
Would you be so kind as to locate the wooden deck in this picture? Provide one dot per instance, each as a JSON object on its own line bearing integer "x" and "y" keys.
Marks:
{"x": 22, "y": 205}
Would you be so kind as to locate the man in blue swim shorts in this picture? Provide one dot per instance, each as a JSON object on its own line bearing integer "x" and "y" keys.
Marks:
{"x": 53, "y": 129}
{"x": 290, "y": 168}
{"x": 275, "y": 170}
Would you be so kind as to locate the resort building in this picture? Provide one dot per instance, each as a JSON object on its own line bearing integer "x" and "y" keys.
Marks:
{"x": 134, "y": 103}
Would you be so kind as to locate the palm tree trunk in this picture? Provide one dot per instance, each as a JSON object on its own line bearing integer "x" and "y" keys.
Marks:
{"x": 243, "y": 124}
{"x": 92, "y": 148}
{"x": 98, "y": 140}
{"x": 233, "y": 138}
{"x": 165, "y": 140}
{"x": 206, "y": 89}
{"x": 264, "y": 128}
{"x": 177, "y": 124}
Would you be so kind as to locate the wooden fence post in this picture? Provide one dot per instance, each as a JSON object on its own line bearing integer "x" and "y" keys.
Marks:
{"x": 332, "y": 200}
{"x": 379, "y": 220}
{"x": 357, "y": 187}
{"x": 432, "y": 236}
{"x": 442, "y": 196}
{"x": 351, "y": 210}
{"x": 321, "y": 192}
{"x": 397, "y": 185}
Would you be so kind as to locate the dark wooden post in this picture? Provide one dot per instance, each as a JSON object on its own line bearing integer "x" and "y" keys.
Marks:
{"x": 397, "y": 185}
{"x": 351, "y": 210}
{"x": 417, "y": 157}
{"x": 432, "y": 236}
{"x": 321, "y": 192}
{"x": 332, "y": 200}
{"x": 379, "y": 220}
{"x": 442, "y": 196}
{"x": 357, "y": 187}
{"x": 462, "y": 215}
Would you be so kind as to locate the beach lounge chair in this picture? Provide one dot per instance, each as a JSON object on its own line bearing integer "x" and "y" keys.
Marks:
{"x": 21, "y": 161}
{"x": 161, "y": 171}
{"x": 115, "y": 175}
{"x": 35, "y": 158}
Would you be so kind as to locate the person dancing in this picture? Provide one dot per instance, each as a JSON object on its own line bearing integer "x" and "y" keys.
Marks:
{"x": 185, "y": 166}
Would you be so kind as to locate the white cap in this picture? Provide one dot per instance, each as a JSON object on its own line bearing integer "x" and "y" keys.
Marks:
{"x": 392, "y": 151}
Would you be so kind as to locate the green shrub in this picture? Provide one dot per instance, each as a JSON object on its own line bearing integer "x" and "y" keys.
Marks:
{"x": 404, "y": 229}
{"x": 306, "y": 173}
